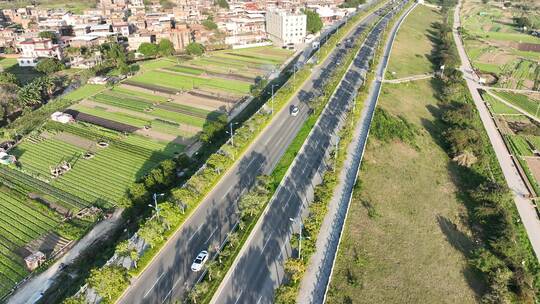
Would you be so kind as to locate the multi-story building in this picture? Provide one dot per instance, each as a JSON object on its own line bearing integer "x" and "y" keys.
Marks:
{"x": 33, "y": 49}
{"x": 285, "y": 27}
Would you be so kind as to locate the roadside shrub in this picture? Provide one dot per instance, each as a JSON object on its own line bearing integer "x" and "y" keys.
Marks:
{"x": 387, "y": 127}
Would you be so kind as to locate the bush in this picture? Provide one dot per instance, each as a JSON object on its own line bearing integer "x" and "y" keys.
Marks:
{"x": 195, "y": 48}
{"x": 49, "y": 66}
{"x": 148, "y": 49}
{"x": 386, "y": 127}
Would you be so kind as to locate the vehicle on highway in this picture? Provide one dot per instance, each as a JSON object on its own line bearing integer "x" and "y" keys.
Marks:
{"x": 201, "y": 258}
{"x": 294, "y": 110}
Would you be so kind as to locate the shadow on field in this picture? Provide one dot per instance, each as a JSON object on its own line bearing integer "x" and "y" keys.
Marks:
{"x": 464, "y": 244}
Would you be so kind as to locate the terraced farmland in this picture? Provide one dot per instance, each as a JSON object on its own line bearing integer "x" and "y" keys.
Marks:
{"x": 156, "y": 123}
{"x": 100, "y": 180}
{"x": 22, "y": 222}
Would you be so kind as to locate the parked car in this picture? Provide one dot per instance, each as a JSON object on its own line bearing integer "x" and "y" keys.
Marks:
{"x": 199, "y": 261}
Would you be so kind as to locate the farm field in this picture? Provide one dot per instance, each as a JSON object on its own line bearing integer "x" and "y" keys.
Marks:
{"x": 498, "y": 107}
{"x": 100, "y": 180}
{"x": 120, "y": 134}
{"x": 23, "y": 221}
{"x": 493, "y": 44}
{"x": 522, "y": 101}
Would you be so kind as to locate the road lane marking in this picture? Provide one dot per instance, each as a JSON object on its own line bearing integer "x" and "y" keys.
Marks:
{"x": 266, "y": 243}
{"x": 259, "y": 300}
{"x": 214, "y": 231}
{"x": 239, "y": 296}
{"x": 146, "y": 294}
{"x": 195, "y": 233}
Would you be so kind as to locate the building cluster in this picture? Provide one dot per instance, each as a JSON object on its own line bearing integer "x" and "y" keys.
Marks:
{"x": 133, "y": 22}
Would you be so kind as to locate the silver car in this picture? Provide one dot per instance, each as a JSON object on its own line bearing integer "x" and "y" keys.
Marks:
{"x": 199, "y": 261}
{"x": 294, "y": 110}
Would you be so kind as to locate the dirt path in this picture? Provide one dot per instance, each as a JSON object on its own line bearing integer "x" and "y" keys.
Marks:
{"x": 409, "y": 78}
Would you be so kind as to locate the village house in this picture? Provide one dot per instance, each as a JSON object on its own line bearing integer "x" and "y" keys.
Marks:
{"x": 33, "y": 49}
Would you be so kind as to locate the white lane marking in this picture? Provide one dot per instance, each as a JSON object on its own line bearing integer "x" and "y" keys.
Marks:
{"x": 269, "y": 238}
{"x": 168, "y": 294}
{"x": 259, "y": 300}
{"x": 154, "y": 285}
{"x": 211, "y": 235}
{"x": 195, "y": 233}
{"x": 239, "y": 296}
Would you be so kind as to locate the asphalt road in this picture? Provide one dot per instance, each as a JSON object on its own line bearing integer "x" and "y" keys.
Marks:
{"x": 169, "y": 276}
{"x": 259, "y": 268}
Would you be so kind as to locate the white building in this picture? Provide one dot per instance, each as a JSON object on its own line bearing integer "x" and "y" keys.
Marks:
{"x": 285, "y": 27}
{"x": 33, "y": 49}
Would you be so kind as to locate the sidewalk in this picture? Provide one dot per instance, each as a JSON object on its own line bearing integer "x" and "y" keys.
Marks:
{"x": 30, "y": 292}
{"x": 317, "y": 277}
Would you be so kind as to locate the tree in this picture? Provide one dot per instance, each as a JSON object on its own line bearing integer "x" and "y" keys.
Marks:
{"x": 152, "y": 232}
{"x": 295, "y": 268}
{"x": 313, "y": 23}
{"x": 30, "y": 94}
{"x": 212, "y": 127}
{"x": 195, "y": 48}
{"x": 148, "y": 49}
{"x": 49, "y": 66}
{"x": 48, "y": 35}
{"x": 165, "y": 47}
{"x": 209, "y": 24}
{"x": 109, "y": 282}
{"x": 8, "y": 99}
{"x": 222, "y": 3}
{"x": 249, "y": 204}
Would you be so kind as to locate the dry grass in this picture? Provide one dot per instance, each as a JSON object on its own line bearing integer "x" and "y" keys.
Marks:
{"x": 412, "y": 46}
{"x": 404, "y": 240}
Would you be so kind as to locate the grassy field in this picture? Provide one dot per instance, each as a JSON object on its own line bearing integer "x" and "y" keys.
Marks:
{"x": 412, "y": 45}
{"x": 405, "y": 235}
{"x": 23, "y": 74}
{"x": 404, "y": 230}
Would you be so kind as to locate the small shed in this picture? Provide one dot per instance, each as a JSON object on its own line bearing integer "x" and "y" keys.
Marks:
{"x": 62, "y": 117}
{"x": 34, "y": 260}
{"x": 6, "y": 159}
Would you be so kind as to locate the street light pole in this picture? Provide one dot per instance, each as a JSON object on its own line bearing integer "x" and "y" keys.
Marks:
{"x": 273, "y": 98}
{"x": 231, "y": 134}
{"x": 155, "y": 206}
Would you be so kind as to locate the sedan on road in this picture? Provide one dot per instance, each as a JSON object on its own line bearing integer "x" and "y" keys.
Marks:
{"x": 199, "y": 261}
{"x": 294, "y": 110}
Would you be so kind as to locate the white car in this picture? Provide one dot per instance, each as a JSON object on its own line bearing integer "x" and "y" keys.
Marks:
{"x": 294, "y": 110}
{"x": 199, "y": 261}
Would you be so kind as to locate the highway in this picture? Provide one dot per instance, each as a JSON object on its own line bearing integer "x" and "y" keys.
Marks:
{"x": 168, "y": 277}
{"x": 258, "y": 269}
